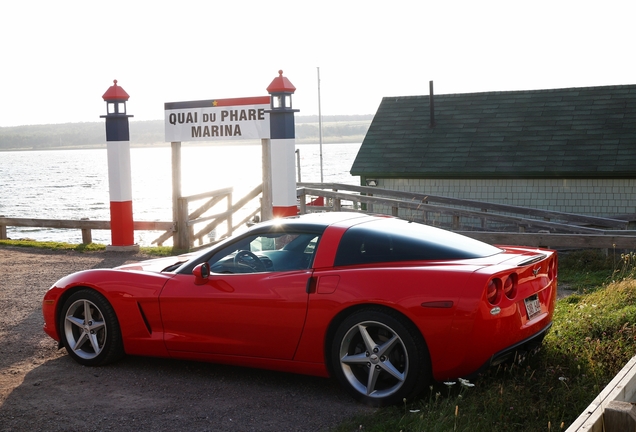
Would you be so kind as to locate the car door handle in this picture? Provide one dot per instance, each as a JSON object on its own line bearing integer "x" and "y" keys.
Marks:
{"x": 311, "y": 285}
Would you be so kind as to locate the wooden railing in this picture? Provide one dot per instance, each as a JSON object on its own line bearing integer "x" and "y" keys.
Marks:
{"x": 85, "y": 225}
{"x": 185, "y": 235}
{"x": 489, "y": 222}
{"x": 612, "y": 410}
{"x": 181, "y": 230}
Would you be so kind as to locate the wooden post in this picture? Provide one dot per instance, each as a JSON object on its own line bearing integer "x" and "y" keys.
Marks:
{"x": 180, "y": 237}
{"x": 176, "y": 178}
{"x": 87, "y": 237}
{"x": 267, "y": 212}
{"x": 455, "y": 222}
{"x": 303, "y": 204}
{"x": 619, "y": 416}
{"x": 3, "y": 230}
{"x": 229, "y": 215}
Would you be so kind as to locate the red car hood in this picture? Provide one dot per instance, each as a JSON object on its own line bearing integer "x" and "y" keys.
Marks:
{"x": 158, "y": 264}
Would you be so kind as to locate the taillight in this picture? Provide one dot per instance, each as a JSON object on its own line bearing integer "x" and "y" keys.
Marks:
{"x": 493, "y": 291}
{"x": 510, "y": 286}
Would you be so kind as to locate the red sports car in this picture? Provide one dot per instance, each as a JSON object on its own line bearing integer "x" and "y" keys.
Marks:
{"x": 385, "y": 305}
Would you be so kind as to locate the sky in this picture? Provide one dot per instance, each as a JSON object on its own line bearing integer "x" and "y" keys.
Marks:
{"x": 59, "y": 57}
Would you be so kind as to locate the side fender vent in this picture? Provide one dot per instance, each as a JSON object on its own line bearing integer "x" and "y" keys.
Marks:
{"x": 143, "y": 317}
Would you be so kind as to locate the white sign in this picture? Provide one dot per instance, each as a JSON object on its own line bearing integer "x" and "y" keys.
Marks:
{"x": 217, "y": 119}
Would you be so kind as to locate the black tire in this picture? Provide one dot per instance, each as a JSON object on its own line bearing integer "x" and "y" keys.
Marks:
{"x": 89, "y": 329}
{"x": 379, "y": 357}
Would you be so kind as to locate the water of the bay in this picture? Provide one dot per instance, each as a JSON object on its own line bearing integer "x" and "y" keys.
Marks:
{"x": 73, "y": 184}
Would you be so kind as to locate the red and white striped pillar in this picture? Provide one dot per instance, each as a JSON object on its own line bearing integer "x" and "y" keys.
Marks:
{"x": 119, "y": 173}
{"x": 283, "y": 147}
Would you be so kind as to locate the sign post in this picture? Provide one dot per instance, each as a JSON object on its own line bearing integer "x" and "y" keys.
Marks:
{"x": 119, "y": 175}
{"x": 268, "y": 118}
{"x": 217, "y": 119}
{"x": 283, "y": 146}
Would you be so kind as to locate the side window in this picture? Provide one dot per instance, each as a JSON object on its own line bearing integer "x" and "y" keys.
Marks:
{"x": 364, "y": 247}
{"x": 311, "y": 246}
{"x": 392, "y": 240}
{"x": 272, "y": 252}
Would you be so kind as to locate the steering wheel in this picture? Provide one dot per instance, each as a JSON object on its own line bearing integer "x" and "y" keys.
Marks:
{"x": 245, "y": 258}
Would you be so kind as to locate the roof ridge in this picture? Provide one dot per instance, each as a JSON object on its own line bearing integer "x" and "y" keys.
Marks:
{"x": 506, "y": 92}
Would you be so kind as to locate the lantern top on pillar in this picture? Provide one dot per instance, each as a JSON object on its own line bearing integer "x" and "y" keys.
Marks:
{"x": 115, "y": 98}
{"x": 281, "y": 84}
{"x": 281, "y": 90}
{"x": 115, "y": 92}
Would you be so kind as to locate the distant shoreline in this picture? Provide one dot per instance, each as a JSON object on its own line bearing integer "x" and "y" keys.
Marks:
{"x": 332, "y": 141}
{"x": 69, "y": 136}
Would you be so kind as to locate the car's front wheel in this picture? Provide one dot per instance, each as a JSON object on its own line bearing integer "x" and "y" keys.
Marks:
{"x": 90, "y": 330}
{"x": 379, "y": 357}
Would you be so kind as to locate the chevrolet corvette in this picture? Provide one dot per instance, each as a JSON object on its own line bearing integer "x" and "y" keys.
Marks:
{"x": 382, "y": 304}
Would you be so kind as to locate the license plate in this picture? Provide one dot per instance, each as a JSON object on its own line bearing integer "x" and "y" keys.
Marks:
{"x": 533, "y": 307}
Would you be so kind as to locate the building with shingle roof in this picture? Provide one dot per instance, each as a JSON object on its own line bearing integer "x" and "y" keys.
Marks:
{"x": 570, "y": 150}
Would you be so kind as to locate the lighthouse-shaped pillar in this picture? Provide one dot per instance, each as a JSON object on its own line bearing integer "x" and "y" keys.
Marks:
{"x": 119, "y": 173}
{"x": 283, "y": 143}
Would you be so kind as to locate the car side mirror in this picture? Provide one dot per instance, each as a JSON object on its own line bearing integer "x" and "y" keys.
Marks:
{"x": 201, "y": 273}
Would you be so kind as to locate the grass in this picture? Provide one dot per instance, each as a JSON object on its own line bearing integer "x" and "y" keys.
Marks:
{"x": 586, "y": 270}
{"x": 92, "y": 247}
{"x": 593, "y": 336}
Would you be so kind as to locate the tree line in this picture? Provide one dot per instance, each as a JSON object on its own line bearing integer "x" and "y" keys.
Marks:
{"x": 93, "y": 134}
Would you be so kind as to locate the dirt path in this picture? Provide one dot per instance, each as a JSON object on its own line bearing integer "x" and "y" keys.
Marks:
{"x": 41, "y": 388}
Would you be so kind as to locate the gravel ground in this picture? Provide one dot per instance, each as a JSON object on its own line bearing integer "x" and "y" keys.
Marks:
{"x": 41, "y": 388}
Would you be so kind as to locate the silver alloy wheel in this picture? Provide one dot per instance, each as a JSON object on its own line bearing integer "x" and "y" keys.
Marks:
{"x": 374, "y": 359}
{"x": 85, "y": 329}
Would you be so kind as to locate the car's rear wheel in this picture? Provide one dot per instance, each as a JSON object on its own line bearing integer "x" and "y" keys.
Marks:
{"x": 90, "y": 330}
{"x": 379, "y": 357}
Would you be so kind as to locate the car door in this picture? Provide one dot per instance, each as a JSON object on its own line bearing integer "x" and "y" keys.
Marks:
{"x": 256, "y": 312}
